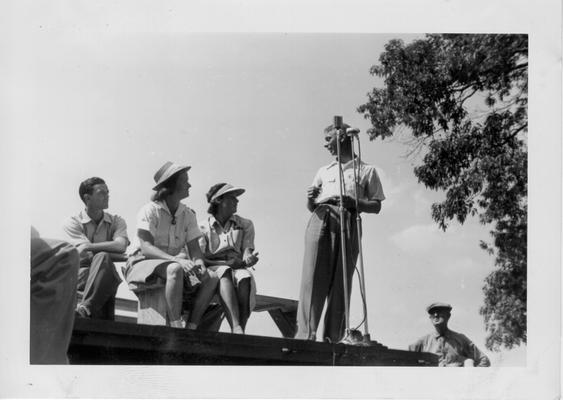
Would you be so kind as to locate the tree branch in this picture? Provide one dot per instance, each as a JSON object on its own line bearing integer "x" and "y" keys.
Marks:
{"x": 462, "y": 100}
{"x": 513, "y": 134}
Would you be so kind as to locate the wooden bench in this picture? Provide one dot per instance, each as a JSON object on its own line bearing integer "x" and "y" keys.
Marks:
{"x": 151, "y": 310}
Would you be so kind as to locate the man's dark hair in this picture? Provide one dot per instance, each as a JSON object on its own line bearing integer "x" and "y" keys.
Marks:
{"x": 166, "y": 188}
{"x": 87, "y": 186}
{"x": 346, "y": 138}
{"x": 212, "y": 209}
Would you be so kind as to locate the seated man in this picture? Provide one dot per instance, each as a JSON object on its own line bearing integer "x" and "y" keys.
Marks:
{"x": 54, "y": 267}
{"x": 452, "y": 348}
{"x": 100, "y": 238}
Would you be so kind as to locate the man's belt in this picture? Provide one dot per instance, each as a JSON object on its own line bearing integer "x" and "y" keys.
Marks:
{"x": 333, "y": 201}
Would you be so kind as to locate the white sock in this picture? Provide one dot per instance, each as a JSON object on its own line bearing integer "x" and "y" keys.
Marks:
{"x": 177, "y": 324}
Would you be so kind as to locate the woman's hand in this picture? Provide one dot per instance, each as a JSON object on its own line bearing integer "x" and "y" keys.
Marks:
{"x": 250, "y": 258}
{"x": 187, "y": 265}
{"x": 199, "y": 267}
{"x": 236, "y": 263}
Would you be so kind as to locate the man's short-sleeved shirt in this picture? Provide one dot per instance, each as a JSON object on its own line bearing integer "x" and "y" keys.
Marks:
{"x": 369, "y": 185}
{"x": 171, "y": 233}
{"x": 452, "y": 349}
{"x": 226, "y": 241}
{"x": 82, "y": 229}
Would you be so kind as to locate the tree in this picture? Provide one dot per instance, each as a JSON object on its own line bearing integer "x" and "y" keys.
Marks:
{"x": 464, "y": 99}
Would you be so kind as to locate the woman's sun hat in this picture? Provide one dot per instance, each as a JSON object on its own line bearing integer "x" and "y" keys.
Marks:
{"x": 166, "y": 171}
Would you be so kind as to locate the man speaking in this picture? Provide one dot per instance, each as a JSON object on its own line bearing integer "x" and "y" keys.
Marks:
{"x": 322, "y": 276}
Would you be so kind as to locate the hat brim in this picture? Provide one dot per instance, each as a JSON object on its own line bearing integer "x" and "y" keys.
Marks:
{"x": 233, "y": 191}
{"x": 170, "y": 175}
{"x": 431, "y": 310}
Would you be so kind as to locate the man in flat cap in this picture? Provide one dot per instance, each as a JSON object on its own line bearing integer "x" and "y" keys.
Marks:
{"x": 452, "y": 348}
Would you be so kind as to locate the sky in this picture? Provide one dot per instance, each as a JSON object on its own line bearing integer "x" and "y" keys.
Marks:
{"x": 115, "y": 92}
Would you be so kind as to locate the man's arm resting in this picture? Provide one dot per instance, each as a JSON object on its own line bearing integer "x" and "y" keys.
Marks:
{"x": 119, "y": 245}
{"x": 479, "y": 358}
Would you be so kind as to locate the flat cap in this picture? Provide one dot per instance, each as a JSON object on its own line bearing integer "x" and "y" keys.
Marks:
{"x": 434, "y": 306}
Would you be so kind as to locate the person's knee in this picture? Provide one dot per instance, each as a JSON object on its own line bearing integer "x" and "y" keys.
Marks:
{"x": 102, "y": 254}
{"x": 104, "y": 257}
{"x": 228, "y": 275}
{"x": 106, "y": 265}
{"x": 209, "y": 278}
{"x": 175, "y": 271}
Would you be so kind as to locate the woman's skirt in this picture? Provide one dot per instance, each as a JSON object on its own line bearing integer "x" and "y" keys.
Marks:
{"x": 238, "y": 275}
{"x": 140, "y": 274}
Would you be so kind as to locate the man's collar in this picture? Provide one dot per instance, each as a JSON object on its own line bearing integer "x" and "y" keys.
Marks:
{"x": 85, "y": 218}
{"x": 445, "y": 334}
{"x": 345, "y": 165}
{"x": 107, "y": 217}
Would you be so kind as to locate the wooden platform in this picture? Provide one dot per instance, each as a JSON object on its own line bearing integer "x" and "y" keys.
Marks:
{"x": 121, "y": 343}
{"x": 124, "y": 342}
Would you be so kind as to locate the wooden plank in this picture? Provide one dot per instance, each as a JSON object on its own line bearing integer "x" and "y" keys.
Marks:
{"x": 285, "y": 321}
{"x": 108, "y": 342}
{"x": 129, "y": 305}
{"x": 265, "y": 303}
{"x": 125, "y": 318}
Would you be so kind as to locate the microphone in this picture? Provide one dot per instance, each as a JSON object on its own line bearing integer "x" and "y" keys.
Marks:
{"x": 337, "y": 122}
{"x": 352, "y": 131}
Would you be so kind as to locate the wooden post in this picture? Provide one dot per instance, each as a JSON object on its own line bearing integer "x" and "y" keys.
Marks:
{"x": 152, "y": 307}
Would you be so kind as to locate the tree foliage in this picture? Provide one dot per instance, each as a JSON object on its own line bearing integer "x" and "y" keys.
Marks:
{"x": 464, "y": 99}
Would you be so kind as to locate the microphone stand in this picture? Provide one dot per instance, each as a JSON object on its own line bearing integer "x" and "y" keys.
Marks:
{"x": 351, "y": 336}
{"x": 340, "y": 131}
{"x": 357, "y": 164}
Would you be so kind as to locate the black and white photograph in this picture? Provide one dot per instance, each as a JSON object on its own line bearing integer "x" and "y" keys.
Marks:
{"x": 282, "y": 200}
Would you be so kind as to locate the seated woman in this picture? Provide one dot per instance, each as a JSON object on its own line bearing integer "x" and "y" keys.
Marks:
{"x": 167, "y": 246}
{"x": 228, "y": 247}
